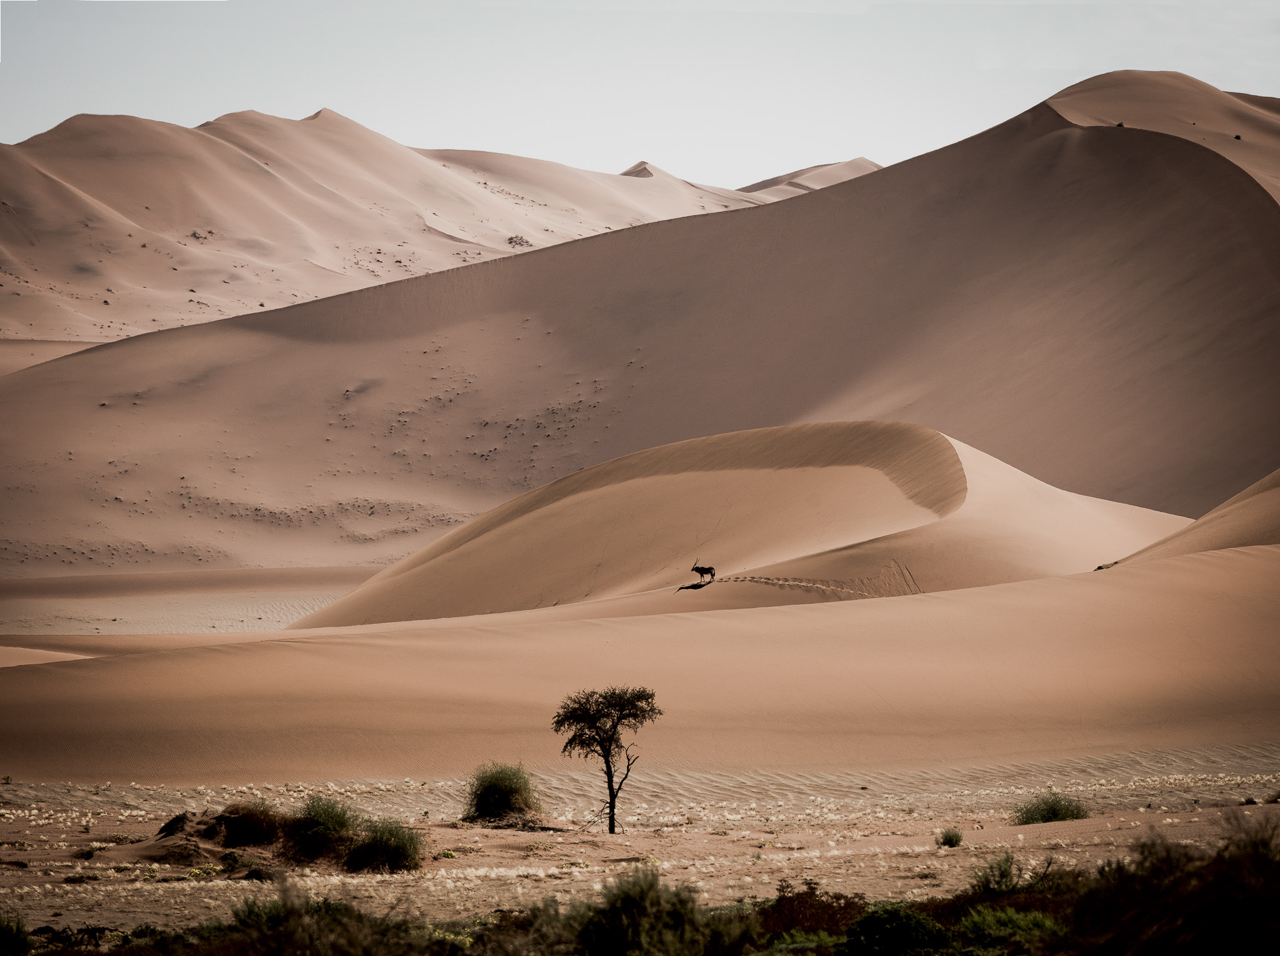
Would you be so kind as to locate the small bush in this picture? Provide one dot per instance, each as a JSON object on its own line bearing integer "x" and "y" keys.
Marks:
{"x": 638, "y": 913}
{"x": 1049, "y": 807}
{"x": 810, "y": 910}
{"x": 14, "y": 938}
{"x": 385, "y": 846}
{"x": 891, "y": 929}
{"x": 249, "y": 823}
{"x": 1004, "y": 875}
{"x": 949, "y": 837}
{"x": 324, "y": 827}
{"x": 498, "y": 791}
{"x": 1006, "y": 927}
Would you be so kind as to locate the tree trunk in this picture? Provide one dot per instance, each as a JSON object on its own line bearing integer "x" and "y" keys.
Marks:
{"x": 613, "y": 794}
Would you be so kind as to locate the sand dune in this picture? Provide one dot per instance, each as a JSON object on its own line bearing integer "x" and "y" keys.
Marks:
{"x": 1250, "y": 518}
{"x": 1050, "y": 668}
{"x": 811, "y": 178}
{"x": 1242, "y": 127}
{"x": 112, "y": 225}
{"x": 797, "y": 514}
{"x": 1094, "y": 306}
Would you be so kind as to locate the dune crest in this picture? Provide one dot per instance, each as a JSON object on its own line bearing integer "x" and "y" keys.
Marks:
{"x": 810, "y": 178}
{"x": 1243, "y": 128}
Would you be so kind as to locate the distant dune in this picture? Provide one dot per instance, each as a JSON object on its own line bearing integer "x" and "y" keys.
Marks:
{"x": 112, "y": 226}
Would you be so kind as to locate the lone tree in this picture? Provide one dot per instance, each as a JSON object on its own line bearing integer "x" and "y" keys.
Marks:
{"x": 595, "y": 720}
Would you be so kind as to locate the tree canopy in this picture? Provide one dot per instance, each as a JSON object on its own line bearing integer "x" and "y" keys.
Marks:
{"x": 595, "y": 720}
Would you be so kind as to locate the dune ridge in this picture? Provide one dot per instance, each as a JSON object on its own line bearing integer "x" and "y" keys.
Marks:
{"x": 1243, "y": 128}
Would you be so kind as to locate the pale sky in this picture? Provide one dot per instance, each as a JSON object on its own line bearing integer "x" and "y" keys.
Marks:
{"x": 723, "y": 92}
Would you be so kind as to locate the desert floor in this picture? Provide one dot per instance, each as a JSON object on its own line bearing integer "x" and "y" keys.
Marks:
{"x": 732, "y": 837}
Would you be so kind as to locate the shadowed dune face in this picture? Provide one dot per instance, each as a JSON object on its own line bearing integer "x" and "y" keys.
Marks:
{"x": 1094, "y": 306}
{"x": 791, "y": 515}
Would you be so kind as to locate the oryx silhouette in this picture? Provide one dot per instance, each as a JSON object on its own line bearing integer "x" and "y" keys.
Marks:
{"x": 705, "y": 576}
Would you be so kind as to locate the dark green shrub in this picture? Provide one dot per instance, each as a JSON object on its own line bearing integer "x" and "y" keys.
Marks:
{"x": 1006, "y": 927}
{"x": 1049, "y": 807}
{"x": 14, "y": 938}
{"x": 178, "y": 823}
{"x": 254, "y": 822}
{"x": 323, "y": 827}
{"x": 1173, "y": 899}
{"x": 949, "y": 837}
{"x": 385, "y": 846}
{"x": 1004, "y": 875}
{"x": 893, "y": 929}
{"x": 498, "y": 791}
{"x": 638, "y": 913}
{"x": 810, "y": 910}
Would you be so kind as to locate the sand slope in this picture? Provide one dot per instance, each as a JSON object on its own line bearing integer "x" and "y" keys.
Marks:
{"x": 1250, "y": 518}
{"x": 795, "y": 514}
{"x": 1094, "y": 306}
{"x": 163, "y": 602}
{"x": 114, "y": 225}
{"x": 1093, "y": 663}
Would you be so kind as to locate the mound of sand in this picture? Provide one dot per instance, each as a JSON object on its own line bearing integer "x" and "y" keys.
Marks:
{"x": 1094, "y": 306}
{"x": 1250, "y": 518}
{"x": 811, "y": 178}
{"x": 796, "y": 514}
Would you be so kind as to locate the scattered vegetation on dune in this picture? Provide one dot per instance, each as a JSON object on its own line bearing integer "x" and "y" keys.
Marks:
{"x": 385, "y": 846}
{"x": 254, "y": 822}
{"x": 323, "y": 827}
{"x": 503, "y": 793}
{"x": 1049, "y": 807}
{"x": 950, "y": 837}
